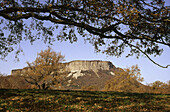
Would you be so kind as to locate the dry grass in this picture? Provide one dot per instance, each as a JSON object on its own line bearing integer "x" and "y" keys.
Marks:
{"x": 87, "y": 101}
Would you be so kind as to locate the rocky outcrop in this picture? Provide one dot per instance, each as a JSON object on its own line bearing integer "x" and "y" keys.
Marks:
{"x": 80, "y": 65}
{"x": 94, "y": 65}
{"x": 19, "y": 71}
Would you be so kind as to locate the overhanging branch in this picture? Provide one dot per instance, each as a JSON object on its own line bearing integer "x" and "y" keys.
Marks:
{"x": 131, "y": 45}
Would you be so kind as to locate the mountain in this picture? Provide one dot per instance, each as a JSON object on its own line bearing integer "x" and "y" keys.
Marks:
{"x": 88, "y": 74}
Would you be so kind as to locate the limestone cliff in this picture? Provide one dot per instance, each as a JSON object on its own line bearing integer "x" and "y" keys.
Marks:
{"x": 89, "y": 65}
{"x": 79, "y": 65}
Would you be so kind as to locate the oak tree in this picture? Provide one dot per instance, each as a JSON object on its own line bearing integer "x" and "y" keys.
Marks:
{"x": 127, "y": 80}
{"x": 141, "y": 27}
{"x": 46, "y": 71}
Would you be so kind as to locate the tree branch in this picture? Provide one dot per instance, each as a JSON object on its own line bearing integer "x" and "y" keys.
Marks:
{"x": 131, "y": 45}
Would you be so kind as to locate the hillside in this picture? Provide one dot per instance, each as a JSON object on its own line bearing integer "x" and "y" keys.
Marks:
{"x": 79, "y": 79}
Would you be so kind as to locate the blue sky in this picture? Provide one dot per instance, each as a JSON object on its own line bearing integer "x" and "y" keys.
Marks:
{"x": 82, "y": 51}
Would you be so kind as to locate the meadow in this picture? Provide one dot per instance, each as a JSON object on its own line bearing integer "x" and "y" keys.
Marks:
{"x": 32, "y": 100}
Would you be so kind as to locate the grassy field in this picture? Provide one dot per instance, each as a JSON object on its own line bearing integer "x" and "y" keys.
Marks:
{"x": 86, "y": 101}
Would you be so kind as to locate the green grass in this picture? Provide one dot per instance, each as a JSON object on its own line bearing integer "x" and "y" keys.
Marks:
{"x": 85, "y": 101}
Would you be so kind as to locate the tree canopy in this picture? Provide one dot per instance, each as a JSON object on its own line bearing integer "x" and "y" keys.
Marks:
{"x": 128, "y": 79}
{"x": 140, "y": 27}
{"x": 46, "y": 70}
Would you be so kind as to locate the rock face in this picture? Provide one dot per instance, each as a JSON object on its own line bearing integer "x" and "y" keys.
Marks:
{"x": 94, "y": 65}
{"x": 79, "y": 65}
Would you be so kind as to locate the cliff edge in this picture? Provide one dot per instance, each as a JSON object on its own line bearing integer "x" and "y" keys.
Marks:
{"x": 79, "y": 65}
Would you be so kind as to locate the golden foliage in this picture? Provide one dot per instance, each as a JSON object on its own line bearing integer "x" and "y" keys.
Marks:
{"x": 125, "y": 80}
{"x": 46, "y": 70}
